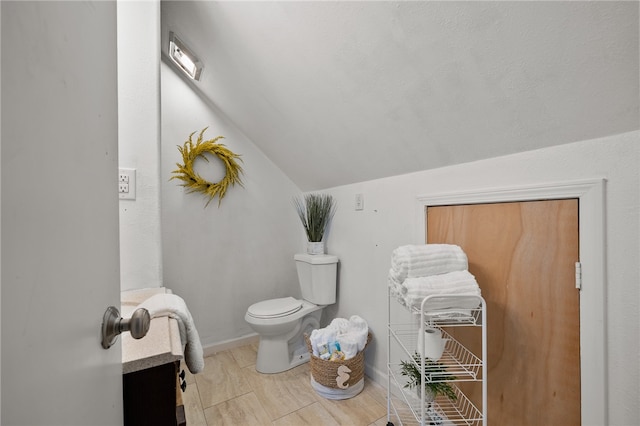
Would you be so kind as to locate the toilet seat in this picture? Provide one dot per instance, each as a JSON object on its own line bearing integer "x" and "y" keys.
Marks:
{"x": 275, "y": 308}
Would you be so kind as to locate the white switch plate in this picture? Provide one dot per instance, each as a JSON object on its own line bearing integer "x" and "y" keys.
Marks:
{"x": 359, "y": 201}
{"x": 127, "y": 184}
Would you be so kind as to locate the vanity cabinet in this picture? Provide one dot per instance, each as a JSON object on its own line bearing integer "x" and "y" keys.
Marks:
{"x": 150, "y": 367}
{"x": 151, "y": 397}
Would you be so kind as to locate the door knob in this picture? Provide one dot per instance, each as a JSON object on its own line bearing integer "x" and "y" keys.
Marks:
{"x": 113, "y": 324}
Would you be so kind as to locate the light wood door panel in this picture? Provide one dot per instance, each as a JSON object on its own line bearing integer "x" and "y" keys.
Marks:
{"x": 523, "y": 256}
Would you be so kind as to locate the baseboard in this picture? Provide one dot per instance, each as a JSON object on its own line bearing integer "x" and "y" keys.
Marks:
{"x": 381, "y": 378}
{"x": 376, "y": 375}
{"x": 213, "y": 348}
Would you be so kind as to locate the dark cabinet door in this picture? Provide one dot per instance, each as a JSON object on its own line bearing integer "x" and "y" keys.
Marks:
{"x": 150, "y": 396}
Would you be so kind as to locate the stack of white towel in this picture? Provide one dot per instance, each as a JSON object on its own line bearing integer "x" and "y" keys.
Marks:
{"x": 418, "y": 271}
{"x": 351, "y": 335}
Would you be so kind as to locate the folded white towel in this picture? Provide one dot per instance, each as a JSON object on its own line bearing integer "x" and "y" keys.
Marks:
{"x": 455, "y": 283}
{"x": 442, "y": 283}
{"x": 396, "y": 288}
{"x": 175, "y": 307}
{"x": 350, "y": 333}
{"x": 447, "y": 303}
{"x": 359, "y": 331}
{"x": 321, "y": 337}
{"x": 412, "y": 261}
{"x": 394, "y": 281}
{"x": 340, "y": 325}
{"x": 348, "y": 346}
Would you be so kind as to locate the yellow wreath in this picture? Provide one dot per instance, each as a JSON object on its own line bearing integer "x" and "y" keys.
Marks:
{"x": 193, "y": 181}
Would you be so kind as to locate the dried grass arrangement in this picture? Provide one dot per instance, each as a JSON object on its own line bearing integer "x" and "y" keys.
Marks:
{"x": 315, "y": 212}
{"x": 193, "y": 181}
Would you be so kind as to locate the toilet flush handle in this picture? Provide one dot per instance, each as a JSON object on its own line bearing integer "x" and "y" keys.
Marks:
{"x": 113, "y": 324}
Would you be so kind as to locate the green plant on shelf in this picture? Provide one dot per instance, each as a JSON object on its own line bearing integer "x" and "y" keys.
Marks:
{"x": 433, "y": 370}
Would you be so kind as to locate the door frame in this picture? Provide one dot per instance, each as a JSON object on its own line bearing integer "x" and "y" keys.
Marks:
{"x": 593, "y": 327}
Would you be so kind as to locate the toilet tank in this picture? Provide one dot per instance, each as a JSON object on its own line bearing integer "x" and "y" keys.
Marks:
{"x": 317, "y": 275}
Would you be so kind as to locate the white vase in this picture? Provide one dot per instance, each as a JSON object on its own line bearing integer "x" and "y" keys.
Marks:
{"x": 315, "y": 247}
{"x": 428, "y": 394}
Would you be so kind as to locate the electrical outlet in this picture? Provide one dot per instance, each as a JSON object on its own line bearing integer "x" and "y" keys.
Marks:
{"x": 127, "y": 184}
{"x": 359, "y": 201}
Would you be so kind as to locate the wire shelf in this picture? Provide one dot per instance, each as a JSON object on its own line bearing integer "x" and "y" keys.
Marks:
{"x": 442, "y": 411}
{"x": 457, "y": 363}
{"x": 457, "y": 360}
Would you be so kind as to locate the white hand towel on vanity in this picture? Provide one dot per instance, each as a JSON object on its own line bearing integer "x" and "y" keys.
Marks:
{"x": 174, "y": 306}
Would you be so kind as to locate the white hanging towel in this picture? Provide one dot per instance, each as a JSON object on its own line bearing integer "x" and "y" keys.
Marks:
{"x": 173, "y": 306}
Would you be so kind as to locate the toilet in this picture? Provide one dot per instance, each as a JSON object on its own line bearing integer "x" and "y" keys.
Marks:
{"x": 281, "y": 323}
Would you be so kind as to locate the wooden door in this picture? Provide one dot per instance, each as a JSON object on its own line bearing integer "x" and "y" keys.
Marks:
{"x": 523, "y": 256}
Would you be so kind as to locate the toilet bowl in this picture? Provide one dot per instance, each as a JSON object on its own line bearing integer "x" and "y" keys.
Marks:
{"x": 282, "y": 323}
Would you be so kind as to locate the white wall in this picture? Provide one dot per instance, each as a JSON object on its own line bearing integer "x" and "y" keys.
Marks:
{"x": 221, "y": 259}
{"x": 139, "y": 141}
{"x": 0, "y": 217}
{"x": 363, "y": 240}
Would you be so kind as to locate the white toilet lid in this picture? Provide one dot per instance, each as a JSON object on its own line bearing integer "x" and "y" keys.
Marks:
{"x": 275, "y": 308}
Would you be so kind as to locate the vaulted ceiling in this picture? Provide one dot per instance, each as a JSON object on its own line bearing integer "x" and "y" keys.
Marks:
{"x": 342, "y": 92}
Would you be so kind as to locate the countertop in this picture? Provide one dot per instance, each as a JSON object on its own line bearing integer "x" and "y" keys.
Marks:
{"x": 162, "y": 343}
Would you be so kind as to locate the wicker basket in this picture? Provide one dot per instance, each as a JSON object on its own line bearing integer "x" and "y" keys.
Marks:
{"x": 325, "y": 372}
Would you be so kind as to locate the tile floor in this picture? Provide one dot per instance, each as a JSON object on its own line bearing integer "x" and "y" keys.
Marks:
{"x": 230, "y": 392}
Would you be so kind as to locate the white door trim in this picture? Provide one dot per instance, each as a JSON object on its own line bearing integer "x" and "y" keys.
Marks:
{"x": 593, "y": 327}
